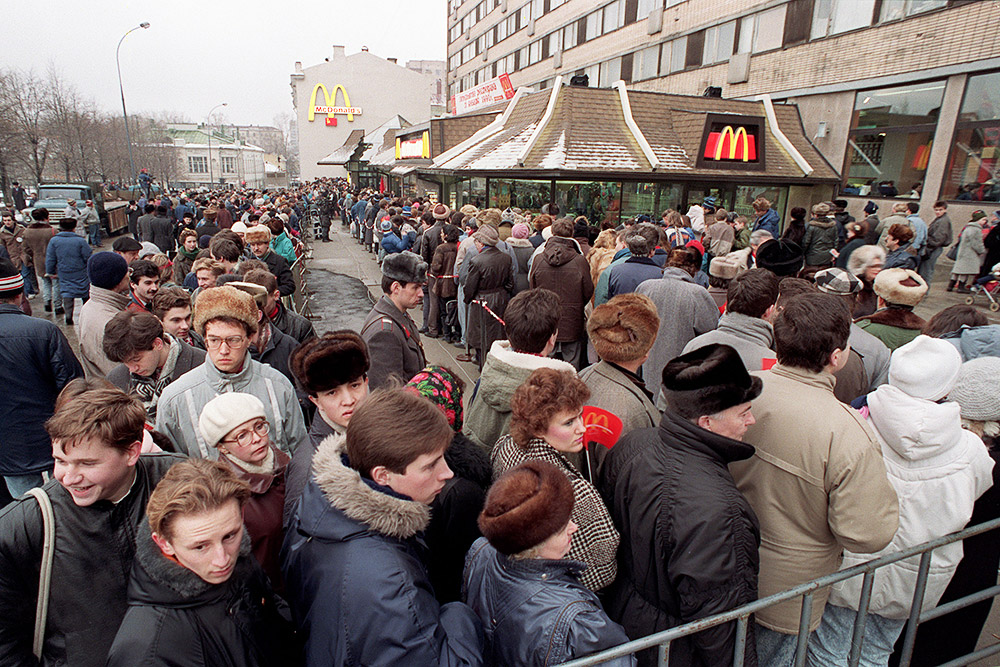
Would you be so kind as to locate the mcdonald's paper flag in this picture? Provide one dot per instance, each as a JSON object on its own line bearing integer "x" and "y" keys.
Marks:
{"x": 603, "y": 427}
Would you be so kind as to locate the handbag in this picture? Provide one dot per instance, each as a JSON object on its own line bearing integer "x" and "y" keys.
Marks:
{"x": 45, "y": 572}
{"x": 952, "y": 253}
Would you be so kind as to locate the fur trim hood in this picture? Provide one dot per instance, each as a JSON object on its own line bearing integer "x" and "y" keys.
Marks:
{"x": 505, "y": 370}
{"x": 360, "y": 500}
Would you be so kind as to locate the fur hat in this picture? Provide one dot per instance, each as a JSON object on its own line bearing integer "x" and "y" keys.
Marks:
{"x": 257, "y": 234}
{"x": 526, "y": 506}
{"x": 901, "y": 287}
{"x": 864, "y": 257}
{"x": 441, "y": 212}
{"x": 106, "y": 269}
{"x": 405, "y": 267}
{"x": 977, "y": 391}
{"x": 469, "y": 209}
{"x": 487, "y": 235}
{"x": 925, "y": 368}
{"x": 708, "y": 380}
{"x": 224, "y": 301}
{"x": 258, "y": 292}
{"x": 489, "y": 216}
{"x": 325, "y": 362}
{"x": 624, "y": 328}
{"x": 781, "y": 257}
{"x": 225, "y": 412}
{"x": 723, "y": 267}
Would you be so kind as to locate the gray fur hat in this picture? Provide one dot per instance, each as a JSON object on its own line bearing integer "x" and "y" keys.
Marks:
{"x": 405, "y": 267}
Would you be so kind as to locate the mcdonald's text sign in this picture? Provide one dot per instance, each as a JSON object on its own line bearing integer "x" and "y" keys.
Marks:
{"x": 732, "y": 142}
{"x": 329, "y": 105}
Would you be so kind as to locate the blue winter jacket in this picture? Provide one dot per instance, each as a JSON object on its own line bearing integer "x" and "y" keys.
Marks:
{"x": 358, "y": 586}
{"x": 392, "y": 243}
{"x": 535, "y": 611}
{"x": 768, "y": 222}
{"x": 67, "y": 257}
{"x": 36, "y": 362}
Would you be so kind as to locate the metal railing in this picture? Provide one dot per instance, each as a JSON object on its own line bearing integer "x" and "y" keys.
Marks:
{"x": 662, "y": 640}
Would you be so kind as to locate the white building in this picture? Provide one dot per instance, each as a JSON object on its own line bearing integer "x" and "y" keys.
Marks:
{"x": 207, "y": 156}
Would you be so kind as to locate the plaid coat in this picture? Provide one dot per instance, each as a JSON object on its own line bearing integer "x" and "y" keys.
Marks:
{"x": 596, "y": 541}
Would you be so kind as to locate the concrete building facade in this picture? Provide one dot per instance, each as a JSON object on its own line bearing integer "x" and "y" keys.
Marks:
{"x": 901, "y": 96}
{"x": 348, "y": 93}
{"x": 206, "y": 156}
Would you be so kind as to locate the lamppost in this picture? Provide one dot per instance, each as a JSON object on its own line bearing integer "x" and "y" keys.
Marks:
{"x": 121, "y": 89}
{"x": 208, "y": 123}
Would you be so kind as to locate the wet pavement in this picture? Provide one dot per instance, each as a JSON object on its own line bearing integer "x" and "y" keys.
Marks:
{"x": 340, "y": 301}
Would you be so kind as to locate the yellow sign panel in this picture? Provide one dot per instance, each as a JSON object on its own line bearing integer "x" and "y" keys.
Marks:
{"x": 329, "y": 107}
{"x": 734, "y": 140}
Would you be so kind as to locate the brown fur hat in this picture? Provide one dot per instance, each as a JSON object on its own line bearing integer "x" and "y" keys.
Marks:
{"x": 325, "y": 362}
{"x": 224, "y": 301}
{"x": 257, "y": 234}
{"x": 902, "y": 287}
{"x": 526, "y": 506}
{"x": 624, "y": 328}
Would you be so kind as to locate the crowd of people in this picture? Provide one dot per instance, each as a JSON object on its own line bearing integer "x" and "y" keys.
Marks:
{"x": 671, "y": 419}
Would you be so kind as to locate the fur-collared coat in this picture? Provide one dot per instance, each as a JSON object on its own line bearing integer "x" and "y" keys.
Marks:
{"x": 894, "y": 326}
{"x": 355, "y": 577}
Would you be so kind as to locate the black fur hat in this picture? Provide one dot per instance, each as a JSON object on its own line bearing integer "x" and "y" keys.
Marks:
{"x": 780, "y": 256}
{"x": 707, "y": 381}
{"x": 328, "y": 361}
{"x": 405, "y": 267}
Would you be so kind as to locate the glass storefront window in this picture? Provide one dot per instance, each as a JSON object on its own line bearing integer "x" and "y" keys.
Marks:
{"x": 973, "y": 171}
{"x": 746, "y": 194}
{"x": 597, "y": 200}
{"x": 524, "y": 194}
{"x": 668, "y": 196}
{"x": 890, "y": 139}
{"x": 698, "y": 193}
{"x": 639, "y": 199}
{"x": 470, "y": 191}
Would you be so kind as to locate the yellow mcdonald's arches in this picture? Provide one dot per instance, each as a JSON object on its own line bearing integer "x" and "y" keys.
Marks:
{"x": 734, "y": 138}
{"x": 330, "y": 102}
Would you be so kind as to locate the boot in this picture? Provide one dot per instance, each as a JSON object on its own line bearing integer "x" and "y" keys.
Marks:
{"x": 60, "y": 310}
{"x": 951, "y": 285}
{"x": 48, "y": 306}
{"x": 963, "y": 289}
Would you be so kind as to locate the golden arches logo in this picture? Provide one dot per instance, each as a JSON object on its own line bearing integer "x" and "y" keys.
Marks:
{"x": 734, "y": 140}
{"x": 330, "y": 108}
{"x": 597, "y": 421}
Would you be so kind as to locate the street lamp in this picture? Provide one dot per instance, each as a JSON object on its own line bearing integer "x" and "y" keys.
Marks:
{"x": 208, "y": 123}
{"x": 121, "y": 89}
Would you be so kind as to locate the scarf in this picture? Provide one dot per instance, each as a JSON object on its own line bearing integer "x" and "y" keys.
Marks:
{"x": 265, "y": 467}
{"x": 192, "y": 255}
{"x": 444, "y": 390}
{"x": 148, "y": 389}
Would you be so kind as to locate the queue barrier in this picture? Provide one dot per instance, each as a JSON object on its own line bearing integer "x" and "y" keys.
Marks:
{"x": 662, "y": 640}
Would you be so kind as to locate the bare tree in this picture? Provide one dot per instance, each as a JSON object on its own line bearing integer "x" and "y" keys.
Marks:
{"x": 27, "y": 102}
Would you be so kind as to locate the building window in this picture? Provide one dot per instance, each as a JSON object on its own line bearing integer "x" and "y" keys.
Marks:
{"x": 197, "y": 164}
{"x": 719, "y": 43}
{"x": 672, "y": 56}
{"x": 645, "y": 62}
{"x": 639, "y": 199}
{"x": 897, "y": 9}
{"x": 973, "y": 172}
{"x": 646, "y": 6}
{"x": 610, "y": 71}
{"x": 525, "y": 16}
{"x": 593, "y": 25}
{"x": 763, "y": 31}
{"x": 597, "y": 200}
{"x": 228, "y": 165}
{"x": 569, "y": 35}
{"x": 890, "y": 139}
{"x": 535, "y": 52}
{"x": 831, "y": 17}
{"x": 526, "y": 194}
{"x": 614, "y": 16}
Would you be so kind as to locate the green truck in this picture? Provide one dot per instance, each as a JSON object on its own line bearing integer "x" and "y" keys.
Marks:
{"x": 110, "y": 206}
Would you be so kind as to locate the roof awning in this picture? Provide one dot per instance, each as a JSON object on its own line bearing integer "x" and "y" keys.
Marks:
{"x": 344, "y": 154}
{"x": 402, "y": 170}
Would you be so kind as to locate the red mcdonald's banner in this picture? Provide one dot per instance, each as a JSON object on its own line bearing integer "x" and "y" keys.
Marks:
{"x": 730, "y": 144}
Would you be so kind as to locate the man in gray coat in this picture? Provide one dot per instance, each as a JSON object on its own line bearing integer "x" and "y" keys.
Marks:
{"x": 391, "y": 335}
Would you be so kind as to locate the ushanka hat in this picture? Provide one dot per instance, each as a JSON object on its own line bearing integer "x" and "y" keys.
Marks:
{"x": 900, "y": 287}
{"x": 405, "y": 267}
{"x": 487, "y": 235}
{"x": 526, "y": 506}
{"x": 325, "y": 362}
{"x": 257, "y": 234}
{"x": 707, "y": 381}
{"x": 11, "y": 282}
{"x": 624, "y": 328}
{"x": 224, "y": 301}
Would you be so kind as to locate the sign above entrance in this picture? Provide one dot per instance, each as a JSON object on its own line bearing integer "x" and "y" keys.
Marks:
{"x": 414, "y": 148}
{"x": 495, "y": 90}
{"x": 732, "y": 142}
{"x": 329, "y": 106}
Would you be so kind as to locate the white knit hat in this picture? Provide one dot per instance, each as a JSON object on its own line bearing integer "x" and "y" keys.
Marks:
{"x": 925, "y": 368}
{"x": 239, "y": 227}
{"x": 225, "y": 412}
{"x": 977, "y": 390}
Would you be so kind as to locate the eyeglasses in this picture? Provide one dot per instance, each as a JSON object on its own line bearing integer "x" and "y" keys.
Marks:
{"x": 232, "y": 342}
{"x": 261, "y": 428}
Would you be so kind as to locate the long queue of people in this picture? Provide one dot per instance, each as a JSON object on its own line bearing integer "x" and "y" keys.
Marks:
{"x": 231, "y": 488}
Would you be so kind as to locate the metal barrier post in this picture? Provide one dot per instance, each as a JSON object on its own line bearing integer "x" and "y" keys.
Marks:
{"x": 858, "y": 638}
{"x": 663, "y": 654}
{"x": 803, "y": 636}
{"x": 741, "y": 641}
{"x": 918, "y": 600}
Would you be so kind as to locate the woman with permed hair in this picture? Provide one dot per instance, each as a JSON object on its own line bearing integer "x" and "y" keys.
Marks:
{"x": 547, "y": 425}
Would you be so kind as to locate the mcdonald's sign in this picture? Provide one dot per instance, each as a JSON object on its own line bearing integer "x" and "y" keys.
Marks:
{"x": 732, "y": 142}
{"x": 329, "y": 106}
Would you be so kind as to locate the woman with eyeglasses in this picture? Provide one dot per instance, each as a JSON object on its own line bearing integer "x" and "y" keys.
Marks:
{"x": 236, "y": 425}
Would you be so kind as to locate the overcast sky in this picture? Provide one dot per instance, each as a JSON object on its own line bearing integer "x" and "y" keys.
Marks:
{"x": 197, "y": 54}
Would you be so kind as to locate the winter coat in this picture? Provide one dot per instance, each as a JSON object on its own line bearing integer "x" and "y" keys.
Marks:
{"x": 535, "y": 611}
{"x": 612, "y": 390}
{"x": 283, "y": 245}
{"x": 162, "y": 231}
{"x": 145, "y": 230}
{"x": 182, "y": 266}
{"x": 719, "y": 238}
{"x": 939, "y": 234}
{"x": 276, "y": 352}
{"x": 874, "y": 356}
{"x": 299, "y": 470}
{"x": 625, "y": 277}
{"x": 818, "y": 486}
{"x": 95, "y": 547}
{"x": 278, "y": 266}
{"x": 893, "y": 325}
{"x": 66, "y": 256}
{"x": 394, "y": 345}
{"x": 94, "y": 315}
{"x": 262, "y": 511}
{"x": 845, "y": 252}
{"x": 177, "y": 618}
{"x": 889, "y": 221}
{"x": 938, "y": 471}
{"x": 596, "y": 540}
{"x": 820, "y": 238}
{"x": 491, "y": 279}
{"x": 355, "y": 577}
{"x": 992, "y": 243}
{"x": 563, "y": 270}
{"x": 36, "y": 240}
{"x": 685, "y": 309}
{"x": 751, "y": 337}
{"x": 429, "y": 242}
{"x": 602, "y": 286}
{"x": 188, "y": 358}
{"x": 768, "y": 221}
{"x": 690, "y": 539}
{"x": 443, "y": 264}
{"x": 599, "y": 260}
{"x": 183, "y": 399}
{"x": 522, "y": 251}
{"x": 36, "y": 362}
{"x": 13, "y": 240}
{"x": 900, "y": 258}
{"x": 393, "y": 244}
{"x": 970, "y": 251}
{"x": 291, "y": 323}
{"x": 975, "y": 342}
{"x": 454, "y": 514}
{"x": 487, "y": 416}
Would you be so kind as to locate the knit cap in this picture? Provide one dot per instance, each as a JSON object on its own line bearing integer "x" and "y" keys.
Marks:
{"x": 925, "y": 368}
{"x": 106, "y": 269}
{"x": 977, "y": 389}
{"x": 225, "y": 412}
{"x": 519, "y": 231}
